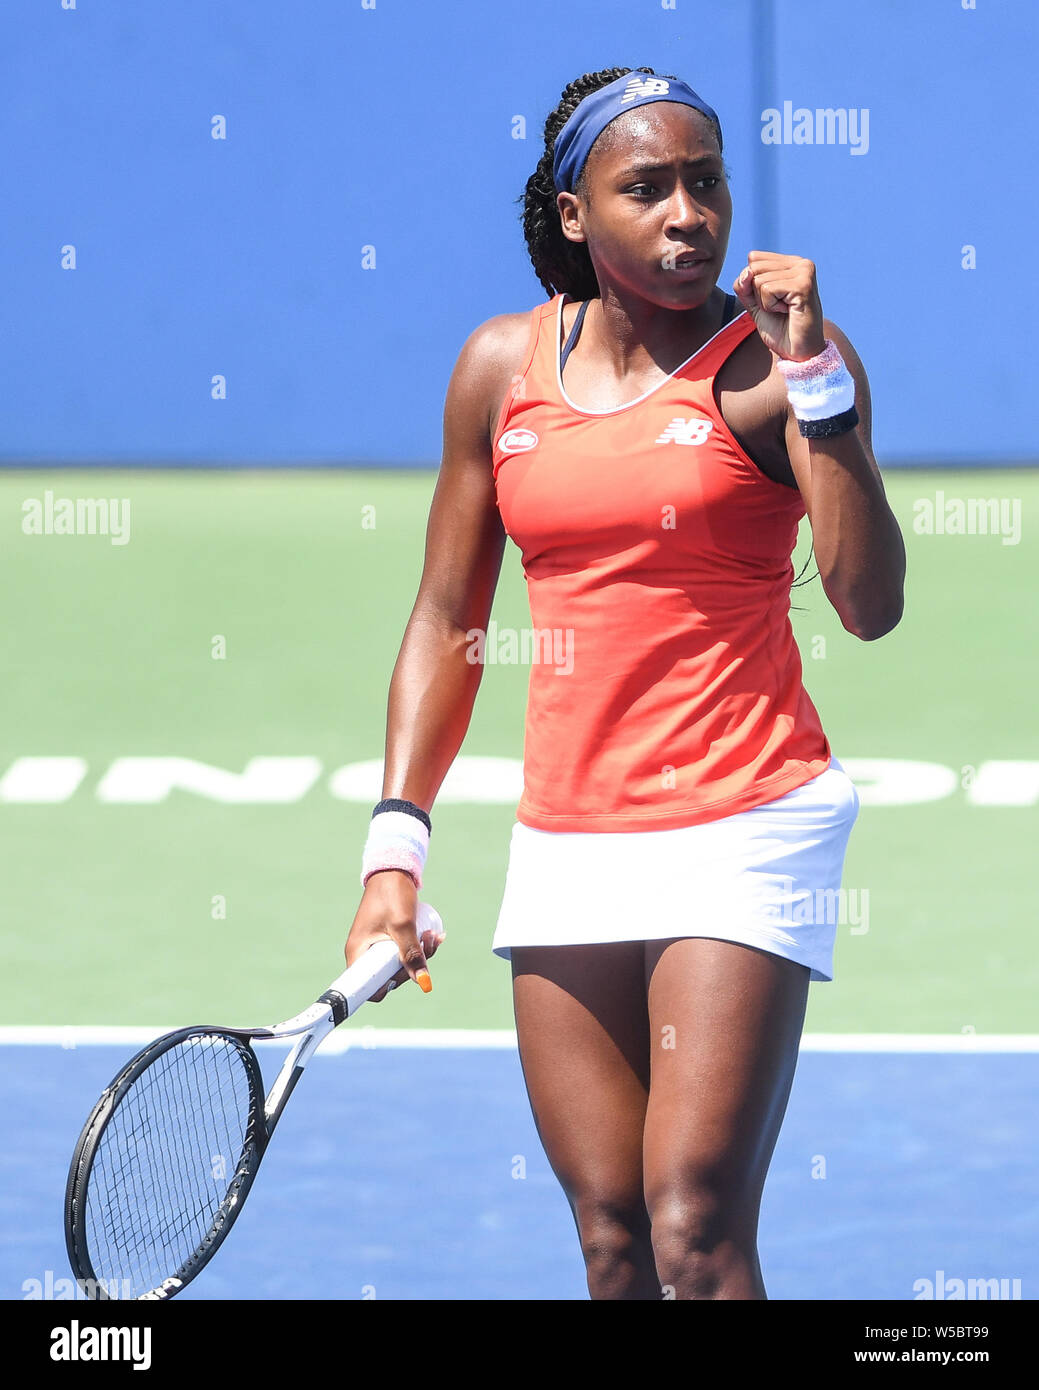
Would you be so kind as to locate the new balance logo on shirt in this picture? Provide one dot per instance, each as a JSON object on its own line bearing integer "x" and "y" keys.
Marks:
{"x": 683, "y": 431}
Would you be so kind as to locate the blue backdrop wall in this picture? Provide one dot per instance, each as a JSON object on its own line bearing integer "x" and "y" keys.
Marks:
{"x": 142, "y": 258}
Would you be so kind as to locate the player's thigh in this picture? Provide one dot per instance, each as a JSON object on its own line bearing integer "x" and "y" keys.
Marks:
{"x": 583, "y": 1040}
{"x": 725, "y": 1025}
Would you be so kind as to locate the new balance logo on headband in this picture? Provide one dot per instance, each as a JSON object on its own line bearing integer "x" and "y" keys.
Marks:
{"x": 645, "y": 87}
{"x": 682, "y": 431}
{"x": 594, "y": 113}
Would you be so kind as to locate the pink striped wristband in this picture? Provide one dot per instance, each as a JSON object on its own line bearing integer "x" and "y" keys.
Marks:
{"x": 396, "y": 840}
{"x": 822, "y": 393}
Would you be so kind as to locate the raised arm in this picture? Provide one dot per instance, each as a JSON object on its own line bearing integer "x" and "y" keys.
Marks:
{"x": 858, "y": 543}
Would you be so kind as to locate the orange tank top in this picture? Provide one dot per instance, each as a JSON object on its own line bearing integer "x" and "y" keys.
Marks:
{"x": 665, "y": 683}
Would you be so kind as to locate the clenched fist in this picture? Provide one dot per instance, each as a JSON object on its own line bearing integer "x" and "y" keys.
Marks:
{"x": 781, "y": 295}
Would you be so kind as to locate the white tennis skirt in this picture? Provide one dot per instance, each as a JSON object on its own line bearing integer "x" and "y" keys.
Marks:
{"x": 769, "y": 877}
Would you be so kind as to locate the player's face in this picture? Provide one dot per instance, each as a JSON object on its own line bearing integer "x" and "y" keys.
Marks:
{"x": 657, "y": 191}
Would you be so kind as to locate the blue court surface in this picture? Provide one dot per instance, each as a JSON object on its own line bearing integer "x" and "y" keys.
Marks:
{"x": 411, "y": 1173}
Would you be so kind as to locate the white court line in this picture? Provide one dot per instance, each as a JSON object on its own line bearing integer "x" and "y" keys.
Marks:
{"x": 368, "y": 1037}
{"x": 920, "y": 1042}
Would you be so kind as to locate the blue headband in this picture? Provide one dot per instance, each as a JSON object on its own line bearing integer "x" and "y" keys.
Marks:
{"x": 595, "y": 112}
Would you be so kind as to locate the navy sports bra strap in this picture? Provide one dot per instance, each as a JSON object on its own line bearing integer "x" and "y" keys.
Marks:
{"x": 575, "y": 333}
{"x": 729, "y": 311}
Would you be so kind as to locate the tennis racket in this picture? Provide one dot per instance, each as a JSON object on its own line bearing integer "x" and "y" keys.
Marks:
{"x": 171, "y": 1149}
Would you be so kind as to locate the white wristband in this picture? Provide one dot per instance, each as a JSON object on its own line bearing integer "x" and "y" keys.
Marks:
{"x": 396, "y": 840}
{"x": 820, "y": 387}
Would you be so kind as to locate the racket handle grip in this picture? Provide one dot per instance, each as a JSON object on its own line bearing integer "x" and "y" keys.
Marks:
{"x": 356, "y": 985}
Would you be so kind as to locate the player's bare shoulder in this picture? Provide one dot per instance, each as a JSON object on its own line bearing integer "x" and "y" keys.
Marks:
{"x": 490, "y": 360}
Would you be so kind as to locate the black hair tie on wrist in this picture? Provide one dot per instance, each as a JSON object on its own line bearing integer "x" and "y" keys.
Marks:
{"x": 826, "y": 429}
{"x": 393, "y": 803}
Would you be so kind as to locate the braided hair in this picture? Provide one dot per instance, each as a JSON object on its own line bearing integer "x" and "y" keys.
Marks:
{"x": 561, "y": 264}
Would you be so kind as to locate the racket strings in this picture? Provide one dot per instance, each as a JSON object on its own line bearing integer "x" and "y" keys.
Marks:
{"x": 167, "y": 1161}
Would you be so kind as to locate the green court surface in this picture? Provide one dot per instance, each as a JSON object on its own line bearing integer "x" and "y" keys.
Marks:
{"x": 108, "y": 912}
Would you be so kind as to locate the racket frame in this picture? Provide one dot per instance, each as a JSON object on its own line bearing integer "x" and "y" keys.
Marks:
{"x": 343, "y": 998}
{"x": 253, "y": 1147}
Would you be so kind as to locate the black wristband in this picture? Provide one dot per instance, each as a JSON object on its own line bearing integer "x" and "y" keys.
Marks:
{"x": 825, "y": 429}
{"x": 395, "y": 804}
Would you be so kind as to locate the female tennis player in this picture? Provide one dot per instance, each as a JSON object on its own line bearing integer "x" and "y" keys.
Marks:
{"x": 650, "y": 443}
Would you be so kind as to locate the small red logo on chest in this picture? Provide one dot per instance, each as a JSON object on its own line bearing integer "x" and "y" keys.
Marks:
{"x": 517, "y": 441}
